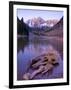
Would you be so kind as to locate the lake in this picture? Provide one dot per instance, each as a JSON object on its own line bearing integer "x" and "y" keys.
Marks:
{"x": 30, "y": 47}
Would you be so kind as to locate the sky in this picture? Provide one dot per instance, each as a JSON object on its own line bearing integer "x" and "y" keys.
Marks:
{"x": 45, "y": 14}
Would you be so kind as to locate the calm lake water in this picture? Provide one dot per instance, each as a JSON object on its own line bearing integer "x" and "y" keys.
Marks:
{"x": 28, "y": 49}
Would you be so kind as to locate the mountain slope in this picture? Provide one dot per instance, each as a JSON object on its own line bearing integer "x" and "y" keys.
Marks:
{"x": 56, "y": 30}
{"x": 59, "y": 25}
{"x": 24, "y": 29}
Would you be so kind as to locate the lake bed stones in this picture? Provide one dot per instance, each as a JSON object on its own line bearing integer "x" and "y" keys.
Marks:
{"x": 26, "y": 76}
{"x": 43, "y": 64}
{"x": 49, "y": 58}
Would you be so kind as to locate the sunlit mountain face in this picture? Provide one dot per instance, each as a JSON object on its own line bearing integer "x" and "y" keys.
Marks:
{"x": 40, "y": 22}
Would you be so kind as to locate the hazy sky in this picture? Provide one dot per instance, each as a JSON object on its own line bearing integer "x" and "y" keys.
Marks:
{"x": 29, "y": 14}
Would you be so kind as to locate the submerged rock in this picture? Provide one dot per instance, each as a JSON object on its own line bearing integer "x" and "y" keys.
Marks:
{"x": 43, "y": 64}
{"x": 26, "y": 76}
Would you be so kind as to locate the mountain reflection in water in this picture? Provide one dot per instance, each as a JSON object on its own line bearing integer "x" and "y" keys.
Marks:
{"x": 30, "y": 49}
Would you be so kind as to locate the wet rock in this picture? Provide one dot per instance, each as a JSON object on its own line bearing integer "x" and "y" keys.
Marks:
{"x": 26, "y": 76}
{"x": 50, "y": 58}
{"x": 38, "y": 71}
{"x": 43, "y": 64}
{"x": 47, "y": 68}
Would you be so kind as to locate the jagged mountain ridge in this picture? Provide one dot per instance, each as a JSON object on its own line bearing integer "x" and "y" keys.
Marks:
{"x": 24, "y": 29}
{"x": 40, "y": 22}
{"x": 56, "y": 30}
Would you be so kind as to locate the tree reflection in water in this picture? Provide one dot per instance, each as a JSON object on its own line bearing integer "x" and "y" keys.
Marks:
{"x": 30, "y": 49}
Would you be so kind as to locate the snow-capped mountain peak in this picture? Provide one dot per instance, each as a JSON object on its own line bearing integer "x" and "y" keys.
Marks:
{"x": 39, "y": 22}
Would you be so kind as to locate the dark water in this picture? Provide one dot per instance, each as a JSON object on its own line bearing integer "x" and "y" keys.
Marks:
{"x": 28, "y": 49}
